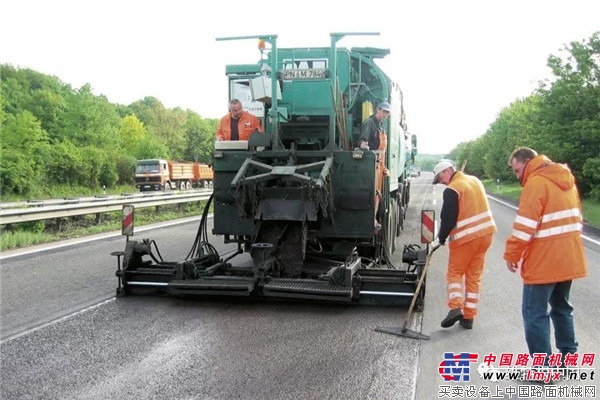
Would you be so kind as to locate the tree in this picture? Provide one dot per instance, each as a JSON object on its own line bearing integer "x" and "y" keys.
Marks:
{"x": 68, "y": 165}
{"x": 570, "y": 110}
{"x": 514, "y": 126}
{"x": 200, "y": 137}
{"x": 124, "y": 168}
{"x": 90, "y": 120}
{"x": 21, "y": 136}
{"x": 131, "y": 134}
{"x": 172, "y": 131}
{"x": 163, "y": 126}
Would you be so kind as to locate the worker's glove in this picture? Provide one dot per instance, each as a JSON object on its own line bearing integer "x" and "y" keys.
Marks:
{"x": 364, "y": 145}
{"x": 433, "y": 246}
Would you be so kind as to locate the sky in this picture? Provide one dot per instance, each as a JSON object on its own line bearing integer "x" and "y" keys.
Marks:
{"x": 459, "y": 62}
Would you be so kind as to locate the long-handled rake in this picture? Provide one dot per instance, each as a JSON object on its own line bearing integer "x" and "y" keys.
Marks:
{"x": 404, "y": 331}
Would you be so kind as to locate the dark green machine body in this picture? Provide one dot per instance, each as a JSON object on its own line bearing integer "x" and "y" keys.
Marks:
{"x": 318, "y": 100}
{"x": 301, "y": 198}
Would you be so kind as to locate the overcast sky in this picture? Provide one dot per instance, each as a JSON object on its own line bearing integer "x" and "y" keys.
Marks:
{"x": 459, "y": 63}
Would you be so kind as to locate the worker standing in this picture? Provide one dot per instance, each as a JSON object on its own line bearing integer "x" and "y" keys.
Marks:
{"x": 546, "y": 242}
{"x": 373, "y": 137}
{"x": 467, "y": 222}
{"x": 237, "y": 124}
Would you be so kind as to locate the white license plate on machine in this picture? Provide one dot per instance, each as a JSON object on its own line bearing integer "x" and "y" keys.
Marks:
{"x": 318, "y": 73}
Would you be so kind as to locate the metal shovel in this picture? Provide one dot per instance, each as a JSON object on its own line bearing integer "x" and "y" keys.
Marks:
{"x": 404, "y": 331}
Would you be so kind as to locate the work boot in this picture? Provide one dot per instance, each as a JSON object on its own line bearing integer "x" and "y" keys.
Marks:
{"x": 453, "y": 317}
{"x": 466, "y": 323}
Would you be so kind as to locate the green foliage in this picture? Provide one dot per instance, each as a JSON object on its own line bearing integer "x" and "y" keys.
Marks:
{"x": 591, "y": 212}
{"x": 32, "y": 226}
{"x": 66, "y": 163}
{"x": 16, "y": 170}
{"x": 165, "y": 128}
{"x": 52, "y": 134}
{"x": 125, "y": 169}
{"x": 474, "y": 154}
{"x": 23, "y": 238}
{"x": 152, "y": 147}
{"x": 510, "y": 190}
{"x": 591, "y": 171}
{"x": 99, "y": 169}
{"x": 131, "y": 133}
{"x": 21, "y": 136}
{"x": 200, "y": 138}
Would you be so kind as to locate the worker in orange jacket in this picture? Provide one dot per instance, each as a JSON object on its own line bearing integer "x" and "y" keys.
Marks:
{"x": 466, "y": 220}
{"x": 237, "y": 124}
{"x": 546, "y": 242}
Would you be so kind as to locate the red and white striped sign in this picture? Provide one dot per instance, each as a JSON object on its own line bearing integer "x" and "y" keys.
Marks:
{"x": 427, "y": 226}
{"x": 127, "y": 223}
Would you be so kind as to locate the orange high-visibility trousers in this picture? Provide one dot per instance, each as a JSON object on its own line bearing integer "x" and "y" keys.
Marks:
{"x": 463, "y": 277}
{"x": 381, "y": 165}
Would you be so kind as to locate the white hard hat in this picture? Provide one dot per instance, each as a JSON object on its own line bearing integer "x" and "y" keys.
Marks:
{"x": 439, "y": 168}
{"x": 385, "y": 106}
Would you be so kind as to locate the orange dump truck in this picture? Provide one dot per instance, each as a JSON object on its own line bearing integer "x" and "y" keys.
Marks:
{"x": 160, "y": 174}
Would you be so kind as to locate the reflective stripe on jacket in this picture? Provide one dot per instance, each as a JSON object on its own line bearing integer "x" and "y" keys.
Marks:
{"x": 474, "y": 216}
{"x": 547, "y": 229}
{"x": 246, "y": 125}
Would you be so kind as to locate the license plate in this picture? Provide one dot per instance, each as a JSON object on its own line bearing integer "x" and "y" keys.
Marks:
{"x": 318, "y": 73}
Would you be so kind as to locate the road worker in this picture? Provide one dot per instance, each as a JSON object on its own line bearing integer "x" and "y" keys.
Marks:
{"x": 467, "y": 223}
{"x": 546, "y": 242}
{"x": 373, "y": 137}
{"x": 237, "y": 124}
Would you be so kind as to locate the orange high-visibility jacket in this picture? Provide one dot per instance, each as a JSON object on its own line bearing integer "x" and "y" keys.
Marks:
{"x": 381, "y": 165}
{"x": 246, "y": 125}
{"x": 474, "y": 216}
{"x": 547, "y": 230}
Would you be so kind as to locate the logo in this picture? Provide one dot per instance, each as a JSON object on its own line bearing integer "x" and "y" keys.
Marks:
{"x": 457, "y": 367}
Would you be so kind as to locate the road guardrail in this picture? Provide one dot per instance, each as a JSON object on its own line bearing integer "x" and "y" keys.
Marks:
{"x": 36, "y": 211}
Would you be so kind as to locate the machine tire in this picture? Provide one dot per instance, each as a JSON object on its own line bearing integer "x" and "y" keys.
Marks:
{"x": 188, "y": 185}
{"x": 167, "y": 186}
